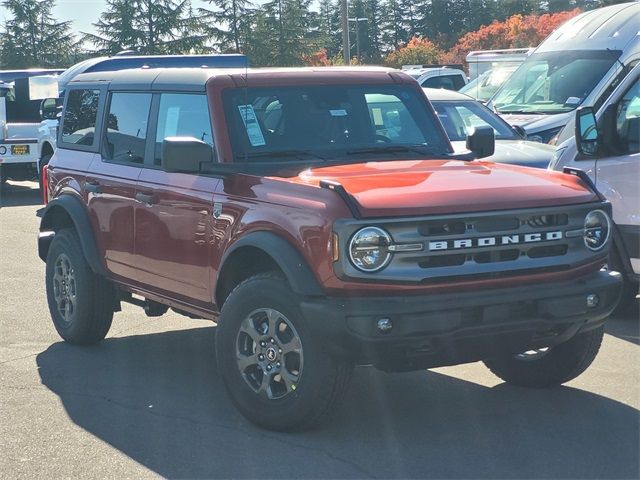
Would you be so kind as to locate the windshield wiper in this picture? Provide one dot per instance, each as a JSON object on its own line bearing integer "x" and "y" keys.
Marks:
{"x": 521, "y": 112}
{"x": 420, "y": 149}
{"x": 282, "y": 153}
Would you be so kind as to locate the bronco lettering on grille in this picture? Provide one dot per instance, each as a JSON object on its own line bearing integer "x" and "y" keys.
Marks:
{"x": 494, "y": 241}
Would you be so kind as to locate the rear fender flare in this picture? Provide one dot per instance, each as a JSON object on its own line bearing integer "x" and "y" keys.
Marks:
{"x": 69, "y": 206}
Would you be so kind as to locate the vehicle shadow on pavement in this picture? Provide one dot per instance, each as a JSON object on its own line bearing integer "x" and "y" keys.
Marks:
{"x": 625, "y": 327}
{"x": 18, "y": 195}
{"x": 158, "y": 399}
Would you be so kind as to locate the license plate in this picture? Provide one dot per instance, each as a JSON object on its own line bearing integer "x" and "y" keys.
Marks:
{"x": 19, "y": 149}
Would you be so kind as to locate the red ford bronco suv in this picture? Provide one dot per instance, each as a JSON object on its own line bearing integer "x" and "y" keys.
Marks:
{"x": 322, "y": 219}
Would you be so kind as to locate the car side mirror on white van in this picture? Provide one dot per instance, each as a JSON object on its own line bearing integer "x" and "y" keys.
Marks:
{"x": 587, "y": 134}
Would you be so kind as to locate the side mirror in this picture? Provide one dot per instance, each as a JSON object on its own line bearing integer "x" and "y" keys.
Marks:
{"x": 185, "y": 154}
{"x": 586, "y": 131}
{"x": 481, "y": 142}
{"x": 49, "y": 109}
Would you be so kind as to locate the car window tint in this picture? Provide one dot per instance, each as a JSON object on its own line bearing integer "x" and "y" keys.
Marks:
{"x": 392, "y": 120}
{"x": 79, "y": 122}
{"x": 443, "y": 81}
{"x": 126, "y": 129}
{"x": 182, "y": 115}
{"x": 459, "y": 117}
{"x": 627, "y": 118}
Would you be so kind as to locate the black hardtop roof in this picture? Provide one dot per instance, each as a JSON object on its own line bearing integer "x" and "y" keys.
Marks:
{"x": 195, "y": 79}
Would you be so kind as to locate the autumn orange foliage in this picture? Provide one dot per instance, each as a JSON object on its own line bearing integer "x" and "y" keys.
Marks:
{"x": 516, "y": 31}
{"x": 317, "y": 59}
{"x": 417, "y": 51}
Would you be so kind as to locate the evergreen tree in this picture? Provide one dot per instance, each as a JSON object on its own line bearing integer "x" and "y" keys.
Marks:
{"x": 283, "y": 32}
{"x": 228, "y": 23}
{"x": 32, "y": 37}
{"x": 117, "y": 29}
{"x": 149, "y": 27}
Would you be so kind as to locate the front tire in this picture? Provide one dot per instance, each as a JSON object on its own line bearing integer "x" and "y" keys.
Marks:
{"x": 547, "y": 368}
{"x": 276, "y": 372}
{"x": 80, "y": 302}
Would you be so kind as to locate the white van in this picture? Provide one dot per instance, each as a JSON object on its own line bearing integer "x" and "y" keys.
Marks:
{"x": 609, "y": 152}
{"x": 579, "y": 63}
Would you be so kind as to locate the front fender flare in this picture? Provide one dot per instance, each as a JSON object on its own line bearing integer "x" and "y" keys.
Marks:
{"x": 285, "y": 255}
{"x": 77, "y": 212}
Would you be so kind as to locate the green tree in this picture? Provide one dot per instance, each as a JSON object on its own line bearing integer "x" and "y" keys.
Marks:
{"x": 283, "y": 32}
{"x": 149, "y": 27}
{"x": 32, "y": 37}
{"x": 228, "y": 23}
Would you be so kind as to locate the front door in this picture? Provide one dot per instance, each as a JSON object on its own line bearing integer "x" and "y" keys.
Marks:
{"x": 111, "y": 186}
{"x": 173, "y": 216}
{"x": 618, "y": 176}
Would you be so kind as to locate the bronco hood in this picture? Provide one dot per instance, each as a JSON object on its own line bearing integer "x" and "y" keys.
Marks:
{"x": 397, "y": 188}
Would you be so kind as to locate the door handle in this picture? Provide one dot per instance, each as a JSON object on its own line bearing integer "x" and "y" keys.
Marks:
{"x": 93, "y": 187}
{"x": 145, "y": 198}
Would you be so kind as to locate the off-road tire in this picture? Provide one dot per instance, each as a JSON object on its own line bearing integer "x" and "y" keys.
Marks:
{"x": 91, "y": 317}
{"x": 323, "y": 379}
{"x": 560, "y": 364}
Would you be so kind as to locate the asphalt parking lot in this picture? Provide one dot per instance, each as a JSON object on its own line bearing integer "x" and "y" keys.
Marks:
{"x": 148, "y": 402}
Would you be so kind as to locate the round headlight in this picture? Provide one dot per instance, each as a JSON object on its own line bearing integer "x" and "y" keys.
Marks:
{"x": 3, "y": 149}
{"x": 369, "y": 249}
{"x": 597, "y": 228}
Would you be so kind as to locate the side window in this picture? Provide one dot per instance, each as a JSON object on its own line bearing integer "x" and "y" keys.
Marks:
{"x": 182, "y": 115}
{"x": 458, "y": 82}
{"x": 392, "y": 120}
{"x": 628, "y": 119}
{"x": 79, "y": 122}
{"x": 443, "y": 81}
{"x": 126, "y": 127}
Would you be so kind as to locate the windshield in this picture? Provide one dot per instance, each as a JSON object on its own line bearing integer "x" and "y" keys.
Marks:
{"x": 488, "y": 83}
{"x": 458, "y": 117}
{"x": 330, "y": 122}
{"x": 553, "y": 82}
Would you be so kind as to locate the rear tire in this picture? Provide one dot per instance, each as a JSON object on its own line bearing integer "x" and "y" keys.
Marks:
{"x": 80, "y": 302}
{"x": 553, "y": 367}
{"x": 276, "y": 372}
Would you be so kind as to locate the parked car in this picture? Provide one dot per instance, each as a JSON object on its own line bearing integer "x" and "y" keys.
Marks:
{"x": 47, "y": 129}
{"x": 438, "y": 76}
{"x": 20, "y": 99}
{"x": 320, "y": 230}
{"x": 581, "y": 62}
{"x": 612, "y": 160}
{"x": 459, "y": 114}
{"x": 483, "y": 87}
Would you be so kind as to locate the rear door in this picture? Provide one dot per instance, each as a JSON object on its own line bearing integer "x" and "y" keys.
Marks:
{"x": 111, "y": 186}
{"x": 173, "y": 226}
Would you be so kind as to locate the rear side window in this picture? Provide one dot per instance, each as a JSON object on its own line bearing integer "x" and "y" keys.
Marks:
{"x": 126, "y": 129}
{"x": 79, "y": 122}
{"x": 182, "y": 115}
{"x": 448, "y": 82}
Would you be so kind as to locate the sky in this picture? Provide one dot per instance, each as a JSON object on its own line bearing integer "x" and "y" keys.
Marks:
{"x": 85, "y": 12}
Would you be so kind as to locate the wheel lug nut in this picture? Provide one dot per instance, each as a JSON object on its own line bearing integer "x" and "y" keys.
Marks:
{"x": 272, "y": 340}
{"x": 278, "y": 365}
{"x": 263, "y": 343}
{"x": 279, "y": 350}
{"x": 269, "y": 367}
{"x": 261, "y": 357}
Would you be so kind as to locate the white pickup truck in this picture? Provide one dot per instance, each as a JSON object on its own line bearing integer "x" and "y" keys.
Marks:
{"x": 20, "y": 117}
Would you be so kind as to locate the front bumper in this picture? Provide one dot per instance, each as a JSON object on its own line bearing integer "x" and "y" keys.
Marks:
{"x": 458, "y": 327}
